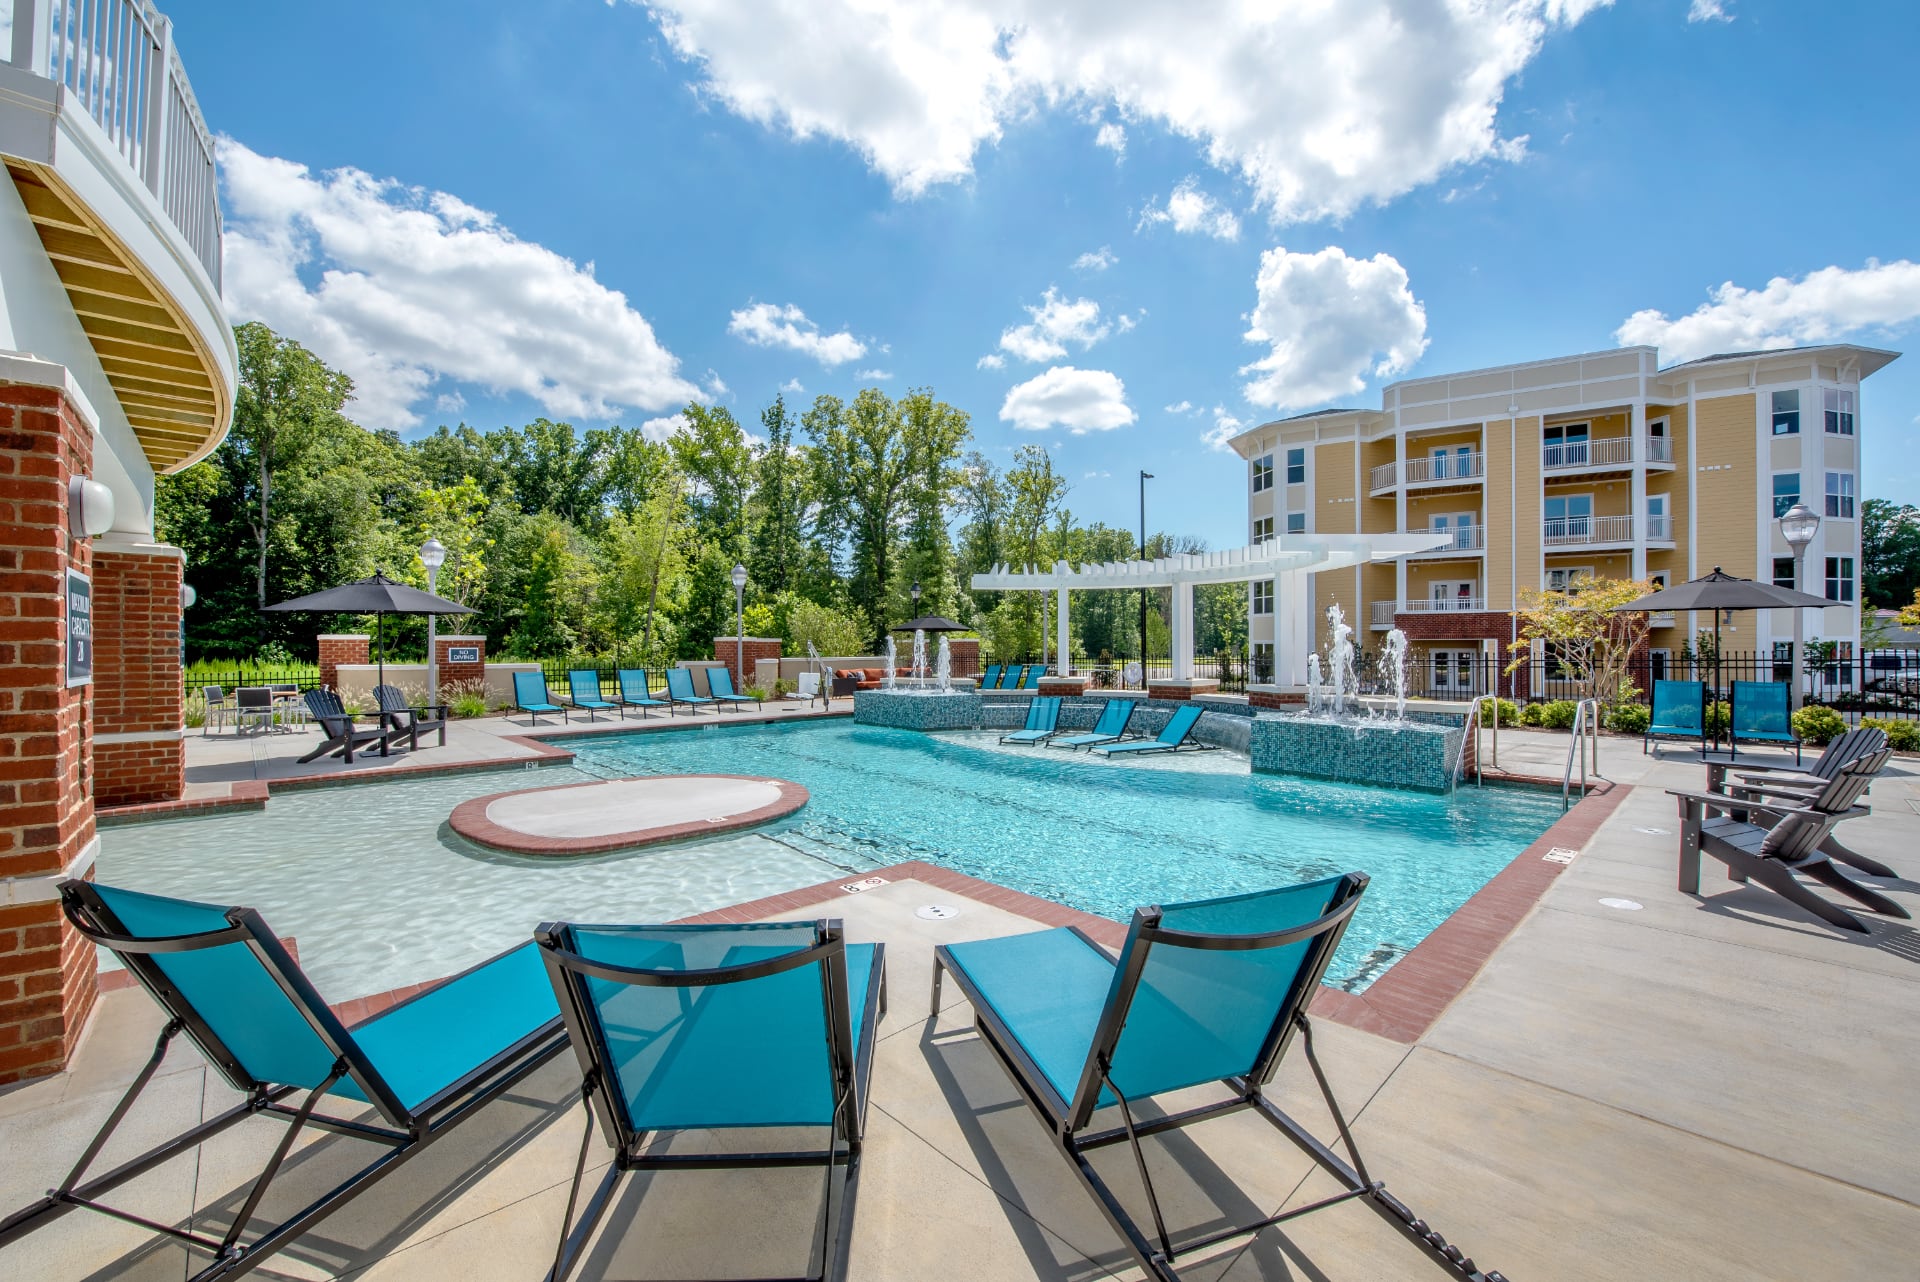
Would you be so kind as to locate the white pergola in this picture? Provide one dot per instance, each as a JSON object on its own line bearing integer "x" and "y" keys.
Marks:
{"x": 1287, "y": 560}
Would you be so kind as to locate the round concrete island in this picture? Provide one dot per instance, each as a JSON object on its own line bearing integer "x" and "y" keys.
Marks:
{"x": 620, "y": 814}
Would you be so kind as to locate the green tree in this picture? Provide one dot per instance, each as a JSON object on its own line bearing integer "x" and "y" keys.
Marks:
{"x": 645, "y": 572}
{"x": 712, "y": 454}
{"x": 556, "y": 592}
{"x": 834, "y": 633}
{"x": 1889, "y": 553}
{"x": 779, "y": 505}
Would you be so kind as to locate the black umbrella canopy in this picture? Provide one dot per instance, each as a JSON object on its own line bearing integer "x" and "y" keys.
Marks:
{"x": 929, "y": 623}
{"x": 1721, "y": 591}
{"x": 376, "y": 595}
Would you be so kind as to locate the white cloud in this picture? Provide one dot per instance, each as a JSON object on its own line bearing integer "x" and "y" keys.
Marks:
{"x": 1822, "y": 307}
{"x": 1056, "y": 322}
{"x": 1330, "y": 320}
{"x": 992, "y": 360}
{"x": 1179, "y": 407}
{"x": 792, "y": 387}
{"x": 1225, "y": 428}
{"x": 1708, "y": 11}
{"x": 1401, "y": 91}
{"x": 1096, "y": 476}
{"x": 715, "y": 385}
{"x": 1113, "y": 137}
{"x": 449, "y": 402}
{"x": 770, "y": 325}
{"x": 1125, "y": 323}
{"x": 1095, "y": 260}
{"x": 660, "y": 430}
{"x": 874, "y": 375}
{"x": 1080, "y": 400}
{"x": 402, "y": 287}
{"x": 1191, "y": 211}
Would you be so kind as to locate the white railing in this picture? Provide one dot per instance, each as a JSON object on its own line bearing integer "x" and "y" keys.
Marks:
{"x": 1659, "y": 529}
{"x": 1446, "y": 467}
{"x": 1659, "y": 449}
{"x": 1566, "y": 531}
{"x": 1608, "y": 451}
{"x": 1444, "y": 605}
{"x": 1466, "y": 538}
{"x": 1383, "y": 613}
{"x": 116, "y": 59}
{"x": 1384, "y": 477}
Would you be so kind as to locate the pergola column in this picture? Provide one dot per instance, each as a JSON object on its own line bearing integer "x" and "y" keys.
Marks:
{"x": 1292, "y": 627}
{"x": 1063, "y": 657}
{"x": 1180, "y": 630}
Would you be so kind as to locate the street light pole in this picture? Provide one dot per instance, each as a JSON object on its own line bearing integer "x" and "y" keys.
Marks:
{"x": 739, "y": 627}
{"x": 433, "y": 555}
{"x": 1144, "y": 478}
{"x": 1798, "y": 524}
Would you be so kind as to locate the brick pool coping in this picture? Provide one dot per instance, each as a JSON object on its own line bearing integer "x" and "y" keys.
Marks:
{"x": 470, "y": 820}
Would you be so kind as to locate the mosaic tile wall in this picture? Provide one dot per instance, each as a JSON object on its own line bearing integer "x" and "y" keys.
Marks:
{"x": 1419, "y": 756}
{"x": 953, "y": 711}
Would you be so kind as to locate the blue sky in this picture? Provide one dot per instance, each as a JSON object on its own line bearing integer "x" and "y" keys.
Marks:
{"x": 1106, "y": 200}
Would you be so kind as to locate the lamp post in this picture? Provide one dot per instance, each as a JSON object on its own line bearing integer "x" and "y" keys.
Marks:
{"x": 914, "y": 591}
{"x": 1798, "y": 524}
{"x": 433, "y": 555}
{"x": 739, "y": 627}
{"x": 1144, "y": 478}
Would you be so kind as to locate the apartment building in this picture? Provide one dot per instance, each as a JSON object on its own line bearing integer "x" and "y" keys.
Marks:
{"x": 1543, "y": 473}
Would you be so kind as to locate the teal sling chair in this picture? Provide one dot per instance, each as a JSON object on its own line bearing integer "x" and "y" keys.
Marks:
{"x": 225, "y": 980}
{"x": 701, "y": 1028}
{"x": 1208, "y": 992}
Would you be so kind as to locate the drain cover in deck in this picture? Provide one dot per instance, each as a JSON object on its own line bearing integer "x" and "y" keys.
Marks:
{"x": 619, "y": 814}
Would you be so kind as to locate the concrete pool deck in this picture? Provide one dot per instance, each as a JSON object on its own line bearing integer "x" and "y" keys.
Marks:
{"x": 1703, "y": 1088}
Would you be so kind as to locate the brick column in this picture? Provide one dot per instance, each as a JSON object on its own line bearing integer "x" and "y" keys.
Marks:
{"x": 46, "y": 777}
{"x": 138, "y": 753}
{"x": 339, "y": 648}
{"x": 452, "y": 673}
{"x": 965, "y": 654}
{"x": 750, "y": 649}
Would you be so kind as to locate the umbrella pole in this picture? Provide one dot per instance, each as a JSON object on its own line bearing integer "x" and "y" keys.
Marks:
{"x": 1719, "y": 679}
{"x": 380, "y": 644}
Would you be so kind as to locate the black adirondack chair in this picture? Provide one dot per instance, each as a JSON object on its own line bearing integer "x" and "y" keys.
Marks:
{"x": 341, "y": 735}
{"x": 403, "y": 720}
{"x": 1771, "y": 855}
{"x": 1782, "y": 783}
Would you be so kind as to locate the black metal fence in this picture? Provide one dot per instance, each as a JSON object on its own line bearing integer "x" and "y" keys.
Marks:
{"x": 200, "y": 676}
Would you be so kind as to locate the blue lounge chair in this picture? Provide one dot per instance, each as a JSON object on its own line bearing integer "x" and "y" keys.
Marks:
{"x": 1030, "y": 679}
{"x": 1760, "y": 714}
{"x": 1202, "y": 993}
{"x": 1679, "y": 712}
{"x": 1110, "y": 728}
{"x": 1010, "y": 679}
{"x": 1175, "y": 736}
{"x": 225, "y": 980}
{"x": 530, "y": 696}
{"x": 700, "y": 1028}
{"x": 720, "y": 685}
{"x": 990, "y": 680}
{"x": 635, "y": 694}
{"x": 680, "y": 690}
{"x": 1043, "y": 714}
{"x": 583, "y": 692}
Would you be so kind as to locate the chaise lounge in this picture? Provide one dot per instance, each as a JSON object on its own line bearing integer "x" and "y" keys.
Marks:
{"x": 583, "y": 693}
{"x": 635, "y": 693}
{"x": 1679, "y": 712}
{"x": 680, "y": 691}
{"x": 1175, "y": 736}
{"x": 1110, "y": 728}
{"x": 1043, "y": 714}
{"x": 720, "y": 686}
{"x": 530, "y": 696}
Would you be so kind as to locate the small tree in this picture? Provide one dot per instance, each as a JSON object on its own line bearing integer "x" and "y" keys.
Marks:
{"x": 1591, "y": 640}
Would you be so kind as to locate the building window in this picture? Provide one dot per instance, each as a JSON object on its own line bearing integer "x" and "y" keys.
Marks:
{"x": 1564, "y": 446}
{"x": 1840, "y": 494}
{"x": 1263, "y": 473}
{"x": 1657, "y": 527}
{"x": 1567, "y": 578}
{"x": 1840, "y": 578}
{"x": 1783, "y": 575}
{"x": 1297, "y": 467}
{"x": 1296, "y": 523}
{"x": 1839, "y": 412}
{"x": 1783, "y": 661}
{"x": 1263, "y": 596}
{"x": 1262, "y": 662}
{"x": 1786, "y": 491}
{"x": 1263, "y": 529}
{"x": 1659, "y": 446}
{"x": 1786, "y": 413}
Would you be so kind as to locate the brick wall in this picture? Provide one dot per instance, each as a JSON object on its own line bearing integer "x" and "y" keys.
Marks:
{"x": 339, "y": 648}
{"x": 46, "y": 810}
{"x": 965, "y": 655}
{"x": 456, "y": 673}
{"x": 138, "y": 753}
{"x": 751, "y": 649}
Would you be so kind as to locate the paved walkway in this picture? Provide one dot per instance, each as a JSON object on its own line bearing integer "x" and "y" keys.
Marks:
{"x": 1700, "y": 1088}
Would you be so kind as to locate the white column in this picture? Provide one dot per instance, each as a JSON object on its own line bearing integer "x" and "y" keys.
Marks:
{"x": 1637, "y": 501}
{"x": 1180, "y": 630}
{"x": 1292, "y": 627}
{"x": 1063, "y": 665}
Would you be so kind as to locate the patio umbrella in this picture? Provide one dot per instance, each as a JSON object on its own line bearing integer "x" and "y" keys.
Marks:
{"x": 378, "y": 596}
{"x": 929, "y": 623}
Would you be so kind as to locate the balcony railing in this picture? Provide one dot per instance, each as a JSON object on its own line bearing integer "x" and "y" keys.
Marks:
{"x": 1659, "y": 529}
{"x": 1444, "y": 605}
{"x": 1659, "y": 449}
{"x": 1576, "y": 531}
{"x": 1608, "y": 451}
{"x": 1466, "y": 538}
{"x": 1384, "y": 477}
{"x": 1383, "y": 613}
{"x": 116, "y": 59}
{"x": 1445, "y": 467}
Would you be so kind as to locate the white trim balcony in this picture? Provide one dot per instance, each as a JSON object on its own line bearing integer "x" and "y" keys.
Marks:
{"x": 1660, "y": 449}
{"x": 1586, "y": 531}
{"x": 1600, "y": 453}
{"x": 1383, "y": 611}
{"x": 1446, "y": 469}
{"x": 1470, "y": 540}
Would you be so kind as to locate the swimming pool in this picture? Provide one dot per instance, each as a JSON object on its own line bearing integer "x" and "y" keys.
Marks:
{"x": 381, "y": 893}
{"x": 1106, "y": 836}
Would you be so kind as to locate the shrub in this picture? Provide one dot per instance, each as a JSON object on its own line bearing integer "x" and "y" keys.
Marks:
{"x": 1508, "y": 712}
{"x": 1559, "y": 714}
{"x": 1902, "y": 736}
{"x": 1630, "y": 718}
{"x": 194, "y": 710}
{"x": 759, "y": 692}
{"x": 1818, "y": 725}
{"x": 1718, "y": 718}
{"x": 1530, "y": 714}
{"x": 466, "y": 698}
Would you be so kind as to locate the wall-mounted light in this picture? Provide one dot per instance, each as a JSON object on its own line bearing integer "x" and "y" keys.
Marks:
{"x": 89, "y": 508}
{"x": 187, "y": 596}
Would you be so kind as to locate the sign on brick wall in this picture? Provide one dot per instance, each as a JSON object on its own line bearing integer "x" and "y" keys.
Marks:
{"x": 79, "y": 629}
{"x": 463, "y": 654}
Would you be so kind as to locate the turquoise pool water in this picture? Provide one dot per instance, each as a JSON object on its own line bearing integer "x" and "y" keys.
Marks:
{"x": 1104, "y": 836}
